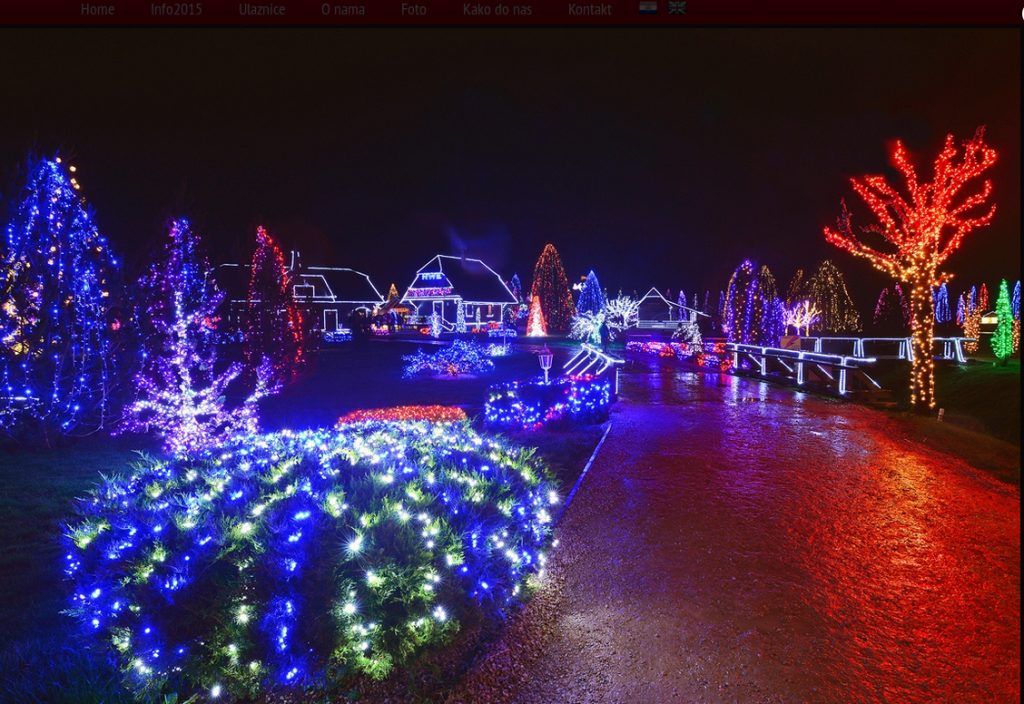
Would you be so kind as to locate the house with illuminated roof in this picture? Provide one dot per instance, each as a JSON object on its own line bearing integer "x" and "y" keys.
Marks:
{"x": 447, "y": 283}
{"x": 656, "y": 311}
{"x": 327, "y": 295}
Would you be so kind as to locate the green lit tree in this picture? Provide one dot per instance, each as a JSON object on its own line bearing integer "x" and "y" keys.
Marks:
{"x": 1002, "y": 338}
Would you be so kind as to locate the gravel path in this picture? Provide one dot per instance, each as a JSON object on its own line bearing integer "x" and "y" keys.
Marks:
{"x": 739, "y": 542}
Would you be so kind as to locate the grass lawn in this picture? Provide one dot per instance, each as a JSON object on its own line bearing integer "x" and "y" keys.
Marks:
{"x": 983, "y": 395}
{"x": 41, "y": 656}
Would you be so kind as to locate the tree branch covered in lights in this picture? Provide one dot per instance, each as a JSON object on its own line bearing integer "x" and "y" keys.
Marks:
{"x": 622, "y": 313}
{"x": 58, "y": 351}
{"x": 181, "y": 394}
{"x": 914, "y": 232}
{"x": 297, "y": 560}
{"x": 586, "y": 327}
{"x": 274, "y": 329}
{"x": 801, "y": 315}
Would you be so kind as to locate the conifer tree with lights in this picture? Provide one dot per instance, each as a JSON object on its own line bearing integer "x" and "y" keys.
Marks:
{"x": 182, "y": 390}
{"x": 551, "y": 287}
{"x": 918, "y": 230}
{"x": 829, "y": 294}
{"x": 942, "y": 312}
{"x": 591, "y": 298}
{"x": 764, "y": 319}
{"x": 59, "y": 343}
{"x": 274, "y": 329}
{"x": 1002, "y": 338}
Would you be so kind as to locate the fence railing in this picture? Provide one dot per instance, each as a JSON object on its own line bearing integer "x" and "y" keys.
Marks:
{"x": 591, "y": 360}
{"x": 841, "y": 374}
{"x": 952, "y": 347}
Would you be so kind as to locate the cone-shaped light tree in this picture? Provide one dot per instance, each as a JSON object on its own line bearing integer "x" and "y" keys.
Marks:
{"x": 58, "y": 335}
{"x": 181, "y": 393}
{"x": 591, "y": 298}
{"x": 1002, "y": 338}
{"x": 915, "y": 231}
{"x": 275, "y": 331}
{"x": 536, "y": 326}
{"x": 551, "y": 286}
{"x": 829, "y": 294}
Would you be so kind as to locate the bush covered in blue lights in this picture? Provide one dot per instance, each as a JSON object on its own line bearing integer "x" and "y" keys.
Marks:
{"x": 297, "y": 559}
{"x": 460, "y": 357}
{"x": 531, "y": 405}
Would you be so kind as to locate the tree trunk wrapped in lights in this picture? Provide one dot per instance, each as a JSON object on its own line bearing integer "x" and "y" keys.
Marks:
{"x": 919, "y": 231}
{"x": 274, "y": 330}
{"x": 551, "y": 286}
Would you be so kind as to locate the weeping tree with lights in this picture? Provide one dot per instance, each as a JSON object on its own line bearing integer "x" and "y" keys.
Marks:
{"x": 1002, "y": 338}
{"x": 734, "y": 307}
{"x": 58, "y": 332}
{"x": 765, "y": 310}
{"x": 181, "y": 395}
{"x": 274, "y": 331}
{"x": 892, "y": 312}
{"x": 918, "y": 232}
{"x": 551, "y": 287}
{"x": 797, "y": 290}
{"x": 828, "y": 291}
{"x": 977, "y": 302}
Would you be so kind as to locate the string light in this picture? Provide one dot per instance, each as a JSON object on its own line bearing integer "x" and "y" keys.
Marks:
{"x": 440, "y": 522}
{"x": 551, "y": 287}
{"x": 532, "y": 405}
{"x": 920, "y": 233}
{"x": 433, "y": 414}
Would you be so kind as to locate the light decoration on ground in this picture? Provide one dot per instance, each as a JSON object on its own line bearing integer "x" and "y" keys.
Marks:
{"x": 1002, "y": 337}
{"x": 284, "y": 561}
{"x": 941, "y": 303}
{"x": 58, "y": 335}
{"x": 829, "y": 294}
{"x": 181, "y": 387}
{"x": 533, "y": 404}
{"x": 274, "y": 327}
{"x": 433, "y": 414}
{"x": 460, "y": 357}
{"x": 551, "y": 287}
{"x": 335, "y": 336}
{"x": 920, "y": 232}
{"x": 536, "y": 325}
{"x": 622, "y": 313}
{"x": 801, "y": 315}
{"x": 712, "y": 356}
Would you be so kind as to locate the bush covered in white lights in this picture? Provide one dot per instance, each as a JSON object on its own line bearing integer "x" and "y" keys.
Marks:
{"x": 299, "y": 559}
{"x": 460, "y": 357}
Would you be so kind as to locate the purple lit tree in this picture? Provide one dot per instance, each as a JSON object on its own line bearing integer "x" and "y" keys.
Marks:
{"x": 181, "y": 394}
{"x": 58, "y": 351}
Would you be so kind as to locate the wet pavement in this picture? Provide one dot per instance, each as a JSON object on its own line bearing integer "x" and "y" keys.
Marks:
{"x": 736, "y": 541}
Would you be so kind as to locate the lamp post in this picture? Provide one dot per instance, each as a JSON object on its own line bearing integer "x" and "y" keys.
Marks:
{"x": 545, "y": 357}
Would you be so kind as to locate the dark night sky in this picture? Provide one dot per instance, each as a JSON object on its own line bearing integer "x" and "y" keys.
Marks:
{"x": 655, "y": 157}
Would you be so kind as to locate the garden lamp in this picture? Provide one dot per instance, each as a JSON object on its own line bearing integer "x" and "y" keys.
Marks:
{"x": 545, "y": 357}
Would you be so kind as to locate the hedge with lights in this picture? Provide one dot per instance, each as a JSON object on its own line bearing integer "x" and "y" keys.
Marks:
{"x": 299, "y": 559}
{"x": 460, "y": 357}
{"x": 534, "y": 404}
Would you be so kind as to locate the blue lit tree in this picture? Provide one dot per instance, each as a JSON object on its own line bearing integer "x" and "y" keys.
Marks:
{"x": 182, "y": 390}
{"x": 58, "y": 351}
{"x": 942, "y": 312}
{"x": 591, "y": 298}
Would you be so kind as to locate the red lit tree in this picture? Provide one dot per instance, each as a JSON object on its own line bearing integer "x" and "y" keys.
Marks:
{"x": 275, "y": 329}
{"x": 551, "y": 286}
{"x": 918, "y": 232}
{"x": 536, "y": 326}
